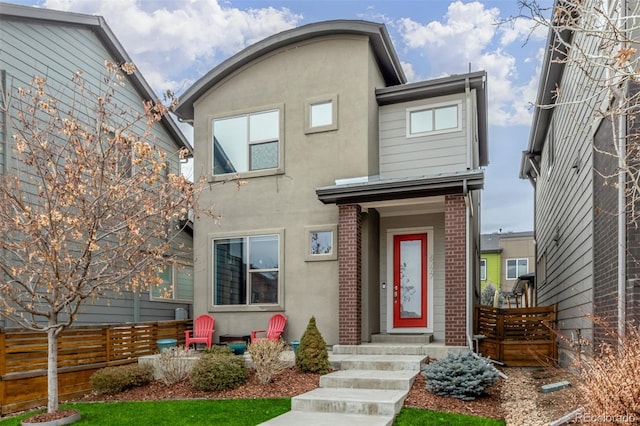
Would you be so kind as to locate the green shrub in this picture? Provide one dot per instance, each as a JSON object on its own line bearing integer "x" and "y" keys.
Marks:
{"x": 214, "y": 372}
{"x": 460, "y": 375}
{"x": 265, "y": 355}
{"x": 312, "y": 355}
{"x": 112, "y": 380}
{"x": 219, "y": 350}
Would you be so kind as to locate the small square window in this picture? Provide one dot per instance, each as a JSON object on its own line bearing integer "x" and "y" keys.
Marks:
{"x": 322, "y": 242}
{"x": 321, "y": 114}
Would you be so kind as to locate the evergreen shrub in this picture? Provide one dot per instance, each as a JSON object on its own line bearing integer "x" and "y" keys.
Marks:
{"x": 460, "y": 375}
{"x": 112, "y": 380}
{"x": 214, "y": 372}
{"x": 312, "y": 355}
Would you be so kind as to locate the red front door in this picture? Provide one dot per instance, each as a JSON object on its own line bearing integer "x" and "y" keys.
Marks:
{"x": 410, "y": 280}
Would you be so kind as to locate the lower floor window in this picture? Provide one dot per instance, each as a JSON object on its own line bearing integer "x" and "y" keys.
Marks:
{"x": 246, "y": 270}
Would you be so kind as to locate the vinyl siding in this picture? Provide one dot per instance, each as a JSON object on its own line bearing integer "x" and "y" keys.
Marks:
{"x": 564, "y": 206}
{"x": 425, "y": 155}
{"x": 57, "y": 52}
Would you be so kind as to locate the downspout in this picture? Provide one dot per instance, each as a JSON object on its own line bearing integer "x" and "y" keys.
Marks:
{"x": 468, "y": 276}
{"x": 467, "y": 91}
{"x": 622, "y": 218}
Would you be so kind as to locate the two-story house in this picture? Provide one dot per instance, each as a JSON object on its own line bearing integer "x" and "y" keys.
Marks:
{"x": 505, "y": 257}
{"x": 359, "y": 195}
{"x": 587, "y": 249}
{"x": 56, "y": 45}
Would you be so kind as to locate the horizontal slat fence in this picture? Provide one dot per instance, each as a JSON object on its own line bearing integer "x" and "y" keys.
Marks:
{"x": 519, "y": 337}
{"x": 81, "y": 351}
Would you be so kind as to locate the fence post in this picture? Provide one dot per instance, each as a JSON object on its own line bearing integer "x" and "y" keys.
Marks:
{"x": 107, "y": 343}
{"x": 500, "y": 325}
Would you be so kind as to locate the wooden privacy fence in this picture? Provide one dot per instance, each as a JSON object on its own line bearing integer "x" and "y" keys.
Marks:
{"x": 81, "y": 351}
{"x": 519, "y": 337}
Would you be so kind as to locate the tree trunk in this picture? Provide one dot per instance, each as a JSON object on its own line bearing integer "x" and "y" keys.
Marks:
{"x": 52, "y": 370}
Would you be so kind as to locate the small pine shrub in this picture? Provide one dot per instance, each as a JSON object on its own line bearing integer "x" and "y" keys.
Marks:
{"x": 171, "y": 366}
{"x": 312, "y": 355}
{"x": 265, "y": 355}
{"x": 112, "y": 380}
{"x": 460, "y": 375}
{"x": 214, "y": 372}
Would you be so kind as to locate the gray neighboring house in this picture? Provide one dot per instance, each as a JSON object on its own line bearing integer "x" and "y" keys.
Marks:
{"x": 35, "y": 41}
{"x": 360, "y": 195}
{"x": 586, "y": 252}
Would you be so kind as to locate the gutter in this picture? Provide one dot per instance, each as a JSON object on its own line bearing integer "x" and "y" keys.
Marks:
{"x": 468, "y": 275}
{"x": 622, "y": 217}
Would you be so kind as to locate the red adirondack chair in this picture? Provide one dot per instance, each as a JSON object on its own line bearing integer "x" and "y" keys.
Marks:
{"x": 276, "y": 327}
{"x": 202, "y": 331}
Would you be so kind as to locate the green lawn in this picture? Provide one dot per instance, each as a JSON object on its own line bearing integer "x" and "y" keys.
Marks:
{"x": 228, "y": 412}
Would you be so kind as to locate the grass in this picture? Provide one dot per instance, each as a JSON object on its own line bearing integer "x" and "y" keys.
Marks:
{"x": 416, "y": 416}
{"x": 226, "y": 413}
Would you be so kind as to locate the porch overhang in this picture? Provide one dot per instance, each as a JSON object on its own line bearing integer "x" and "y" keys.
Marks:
{"x": 375, "y": 189}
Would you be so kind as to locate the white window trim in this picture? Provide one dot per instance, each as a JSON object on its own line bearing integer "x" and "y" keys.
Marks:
{"x": 246, "y": 307}
{"x": 506, "y": 271}
{"x": 483, "y": 278}
{"x": 321, "y": 257}
{"x": 408, "y": 111}
{"x": 174, "y": 283}
{"x": 333, "y": 98}
{"x": 250, "y": 173}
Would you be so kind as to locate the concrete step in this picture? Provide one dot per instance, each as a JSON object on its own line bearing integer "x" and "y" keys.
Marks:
{"x": 379, "y": 349}
{"x": 369, "y": 379}
{"x": 379, "y": 362}
{"x": 297, "y": 418}
{"x": 373, "y": 402}
{"x": 402, "y": 338}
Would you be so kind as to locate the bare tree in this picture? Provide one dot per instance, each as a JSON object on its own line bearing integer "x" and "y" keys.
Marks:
{"x": 89, "y": 208}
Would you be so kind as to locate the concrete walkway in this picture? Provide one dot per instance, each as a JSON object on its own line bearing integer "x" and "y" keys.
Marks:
{"x": 369, "y": 388}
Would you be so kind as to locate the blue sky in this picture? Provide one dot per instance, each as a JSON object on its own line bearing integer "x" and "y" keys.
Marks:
{"x": 174, "y": 42}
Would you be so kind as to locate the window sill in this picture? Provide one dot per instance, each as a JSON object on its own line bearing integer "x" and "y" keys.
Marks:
{"x": 247, "y": 308}
{"x": 244, "y": 175}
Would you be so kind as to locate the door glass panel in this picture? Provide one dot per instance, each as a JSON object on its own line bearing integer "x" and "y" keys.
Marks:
{"x": 410, "y": 279}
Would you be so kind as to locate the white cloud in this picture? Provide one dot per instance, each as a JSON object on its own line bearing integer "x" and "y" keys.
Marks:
{"x": 170, "y": 40}
{"x": 469, "y": 36}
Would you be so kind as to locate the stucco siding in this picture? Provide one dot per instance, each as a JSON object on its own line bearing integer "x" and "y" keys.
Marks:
{"x": 423, "y": 155}
{"x": 287, "y": 201}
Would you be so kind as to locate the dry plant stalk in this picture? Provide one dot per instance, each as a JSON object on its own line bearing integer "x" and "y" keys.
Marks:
{"x": 610, "y": 379}
{"x": 171, "y": 366}
{"x": 266, "y": 359}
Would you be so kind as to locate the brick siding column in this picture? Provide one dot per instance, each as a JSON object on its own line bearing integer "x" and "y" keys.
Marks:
{"x": 349, "y": 275}
{"x": 455, "y": 232}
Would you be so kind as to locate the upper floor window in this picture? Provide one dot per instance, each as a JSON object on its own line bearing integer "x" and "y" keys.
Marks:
{"x": 517, "y": 267}
{"x": 246, "y": 270}
{"x": 432, "y": 119}
{"x": 247, "y": 142}
{"x": 177, "y": 283}
{"x": 483, "y": 269}
{"x": 321, "y": 114}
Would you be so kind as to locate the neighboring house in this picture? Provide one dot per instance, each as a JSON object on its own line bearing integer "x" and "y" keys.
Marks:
{"x": 359, "y": 195}
{"x": 504, "y": 258}
{"x": 56, "y": 45}
{"x": 586, "y": 252}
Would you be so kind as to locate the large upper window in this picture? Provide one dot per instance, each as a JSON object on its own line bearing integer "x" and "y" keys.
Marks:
{"x": 433, "y": 119}
{"x": 517, "y": 267}
{"x": 247, "y": 142}
{"x": 246, "y": 270}
{"x": 177, "y": 283}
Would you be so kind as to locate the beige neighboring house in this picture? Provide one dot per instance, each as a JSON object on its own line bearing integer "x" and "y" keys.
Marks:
{"x": 507, "y": 257}
{"x": 360, "y": 193}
